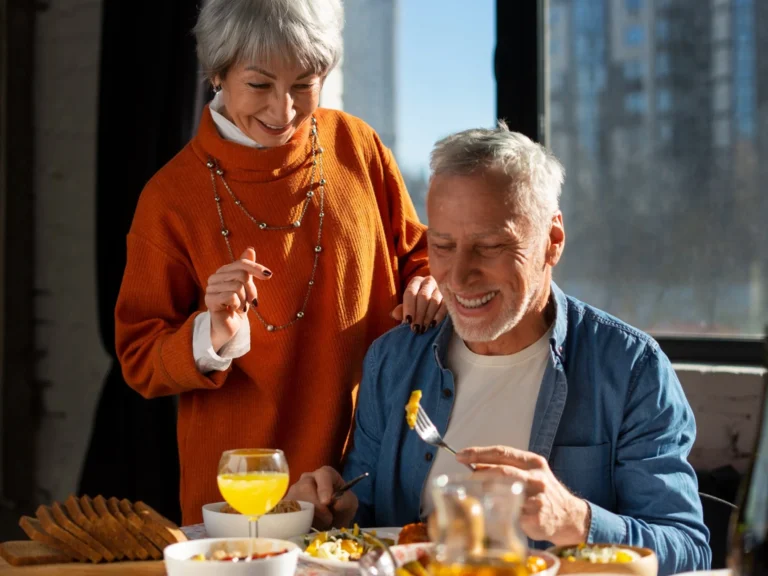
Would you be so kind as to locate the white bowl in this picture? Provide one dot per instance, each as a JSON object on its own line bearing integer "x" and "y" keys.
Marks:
{"x": 178, "y": 563}
{"x": 281, "y": 526}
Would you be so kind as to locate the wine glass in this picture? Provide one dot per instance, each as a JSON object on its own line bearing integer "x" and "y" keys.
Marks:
{"x": 253, "y": 481}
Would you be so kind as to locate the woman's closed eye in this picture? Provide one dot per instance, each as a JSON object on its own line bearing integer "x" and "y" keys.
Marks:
{"x": 259, "y": 86}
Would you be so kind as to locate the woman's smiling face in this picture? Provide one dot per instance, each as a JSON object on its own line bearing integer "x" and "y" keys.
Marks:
{"x": 269, "y": 102}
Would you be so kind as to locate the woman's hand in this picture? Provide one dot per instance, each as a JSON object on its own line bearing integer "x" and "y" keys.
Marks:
{"x": 229, "y": 293}
{"x": 318, "y": 487}
{"x": 422, "y": 305}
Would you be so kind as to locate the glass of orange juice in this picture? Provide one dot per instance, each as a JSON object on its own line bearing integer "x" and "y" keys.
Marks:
{"x": 253, "y": 481}
{"x": 476, "y": 525}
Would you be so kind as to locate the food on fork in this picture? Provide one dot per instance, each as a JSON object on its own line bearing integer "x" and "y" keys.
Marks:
{"x": 412, "y": 408}
{"x": 283, "y": 507}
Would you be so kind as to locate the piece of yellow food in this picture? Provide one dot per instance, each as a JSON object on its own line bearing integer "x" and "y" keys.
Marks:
{"x": 412, "y": 408}
{"x": 536, "y": 564}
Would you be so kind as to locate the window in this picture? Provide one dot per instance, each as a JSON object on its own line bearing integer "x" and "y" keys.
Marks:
{"x": 663, "y": 100}
{"x": 669, "y": 237}
{"x": 662, "y": 64}
{"x": 556, "y": 112}
{"x": 405, "y": 73}
{"x": 721, "y": 25}
{"x": 633, "y": 69}
{"x": 665, "y": 131}
{"x": 634, "y": 35}
{"x": 722, "y": 99}
{"x": 721, "y": 136}
{"x": 636, "y": 103}
{"x": 721, "y": 62}
{"x": 662, "y": 30}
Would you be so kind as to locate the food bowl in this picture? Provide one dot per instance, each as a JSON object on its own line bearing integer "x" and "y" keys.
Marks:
{"x": 645, "y": 564}
{"x": 179, "y": 562}
{"x": 405, "y": 553}
{"x": 284, "y": 525}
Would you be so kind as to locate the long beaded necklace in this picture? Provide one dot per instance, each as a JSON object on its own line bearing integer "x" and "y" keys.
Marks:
{"x": 316, "y": 170}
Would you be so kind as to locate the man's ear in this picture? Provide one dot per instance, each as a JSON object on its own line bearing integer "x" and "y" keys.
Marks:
{"x": 556, "y": 241}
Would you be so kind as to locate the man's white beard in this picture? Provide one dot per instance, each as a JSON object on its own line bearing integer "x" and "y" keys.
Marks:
{"x": 479, "y": 330}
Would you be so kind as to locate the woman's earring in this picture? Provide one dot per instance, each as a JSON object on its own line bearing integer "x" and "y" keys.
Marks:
{"x": 217, "y": 88}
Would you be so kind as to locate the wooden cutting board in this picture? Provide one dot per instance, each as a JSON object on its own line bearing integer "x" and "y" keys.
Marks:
{"x": 147, "y": 568}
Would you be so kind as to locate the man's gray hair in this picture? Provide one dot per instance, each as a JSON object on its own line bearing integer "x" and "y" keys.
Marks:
{"x": 534, "y": 176}
{"x": 304, "y": 32}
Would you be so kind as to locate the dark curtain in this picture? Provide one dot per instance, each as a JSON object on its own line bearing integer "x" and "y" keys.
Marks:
{"x": 146, "y": 114}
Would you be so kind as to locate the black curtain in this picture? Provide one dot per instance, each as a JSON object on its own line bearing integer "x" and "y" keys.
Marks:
{"x": 146, "y": 114}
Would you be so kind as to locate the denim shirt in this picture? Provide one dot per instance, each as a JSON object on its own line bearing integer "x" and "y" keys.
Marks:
{"x": 611, "y": 418}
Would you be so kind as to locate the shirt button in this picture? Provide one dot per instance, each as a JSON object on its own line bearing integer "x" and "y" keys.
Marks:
{"x": 447, "y": 393}
{"x": 428, "y": 456}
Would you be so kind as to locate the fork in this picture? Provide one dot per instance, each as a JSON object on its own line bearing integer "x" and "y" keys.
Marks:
{"x": 427, "y": 431}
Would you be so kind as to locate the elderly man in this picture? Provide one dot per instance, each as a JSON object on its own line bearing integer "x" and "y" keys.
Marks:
{"x": 535, "y": 384}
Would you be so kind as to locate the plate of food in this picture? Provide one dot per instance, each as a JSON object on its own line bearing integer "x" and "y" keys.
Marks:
{"x": 606, "y": 558}
{"x": 341, "y": 549}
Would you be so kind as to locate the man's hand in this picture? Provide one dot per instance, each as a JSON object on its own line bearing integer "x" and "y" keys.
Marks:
{"x": 550, "y": 512}
{"x": 318, "y": 487}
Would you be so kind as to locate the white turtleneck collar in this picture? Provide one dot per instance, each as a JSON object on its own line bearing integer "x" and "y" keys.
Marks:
{"x": 227, "y": 129}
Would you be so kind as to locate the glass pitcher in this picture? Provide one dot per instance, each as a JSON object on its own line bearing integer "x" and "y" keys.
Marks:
{"x": 476, "y": 527}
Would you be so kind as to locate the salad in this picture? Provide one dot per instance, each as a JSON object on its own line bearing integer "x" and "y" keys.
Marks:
{"x": 344, "y": 545}
{"x": 599, "y": 554}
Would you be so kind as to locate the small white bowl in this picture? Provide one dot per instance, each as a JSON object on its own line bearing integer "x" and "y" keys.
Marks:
{"x": 178, "y": 563}
{"x": 219, "y": 524}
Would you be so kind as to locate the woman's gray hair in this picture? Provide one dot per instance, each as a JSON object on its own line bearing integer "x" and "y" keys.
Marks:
{"x": 304, "y": 32}
{"x": 534, "y": 177}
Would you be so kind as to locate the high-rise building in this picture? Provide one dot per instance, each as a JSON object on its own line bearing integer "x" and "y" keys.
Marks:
{"x": 659, "y": 112}
{"x": 368, "y": 66}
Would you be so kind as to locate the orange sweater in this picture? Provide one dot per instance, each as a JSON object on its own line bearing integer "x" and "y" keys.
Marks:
{"x": 294, "y": 389}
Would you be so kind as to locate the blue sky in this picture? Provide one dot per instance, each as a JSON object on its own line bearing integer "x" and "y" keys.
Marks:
{"x": 444, "y": 73}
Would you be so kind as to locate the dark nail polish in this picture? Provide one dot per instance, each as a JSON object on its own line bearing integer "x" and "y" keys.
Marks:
{"x": 433, "y": 324}
{"x": 267, "y": 273}
{"x": 416, "y": 328}
{"x": 255, "y": 303}
{"x": 408, "y": 319}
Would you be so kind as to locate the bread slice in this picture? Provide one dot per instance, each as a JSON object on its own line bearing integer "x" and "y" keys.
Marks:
{"x": 115, "y": 535}
{"x": 52, "y": 527}
{"x": 35, "y": 531}
{"x": 159, "y": 523}
{"x": 126, "y": 507}
{"x": 31, "y": 553}
{"x": 114, "y": 508}
{"x": 128, "y": 539}
{"x": 63, "y": 520}
{"x": 78, "y": 516}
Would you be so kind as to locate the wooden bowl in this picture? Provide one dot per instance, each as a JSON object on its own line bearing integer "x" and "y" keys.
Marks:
{"x": 646, "y": 565}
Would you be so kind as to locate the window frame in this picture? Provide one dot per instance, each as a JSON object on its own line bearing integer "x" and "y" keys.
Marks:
{"x": 521, "y": 69}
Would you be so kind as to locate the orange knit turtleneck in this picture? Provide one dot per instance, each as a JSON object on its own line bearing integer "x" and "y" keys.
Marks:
{"x": 294, "y": 389}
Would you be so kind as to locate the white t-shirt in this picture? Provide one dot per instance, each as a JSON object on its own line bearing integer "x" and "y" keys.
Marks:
{"x": 495, "y": 398}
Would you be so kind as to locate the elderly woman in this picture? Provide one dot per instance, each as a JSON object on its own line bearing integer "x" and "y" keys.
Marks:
{"x": 266, "y": 256}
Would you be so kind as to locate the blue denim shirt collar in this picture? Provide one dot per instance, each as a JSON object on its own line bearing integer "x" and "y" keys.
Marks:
{"x": 556, "y": 341}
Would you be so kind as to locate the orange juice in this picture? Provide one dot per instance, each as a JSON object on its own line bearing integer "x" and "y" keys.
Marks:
{"x": 253, "y": 493}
